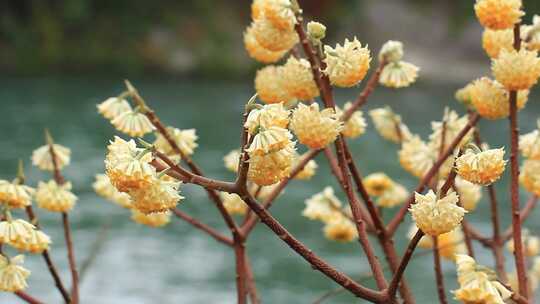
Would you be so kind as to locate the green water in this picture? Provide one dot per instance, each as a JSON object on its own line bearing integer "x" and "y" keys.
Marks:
{"x": 178, "y": 264}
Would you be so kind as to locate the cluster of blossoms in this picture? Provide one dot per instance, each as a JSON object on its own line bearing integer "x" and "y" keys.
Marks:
{"x": 529, "y": 145}
{"x": 388, "y": 193}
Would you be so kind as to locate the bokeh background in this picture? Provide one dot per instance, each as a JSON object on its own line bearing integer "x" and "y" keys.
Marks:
{"x": 60, "y": 58}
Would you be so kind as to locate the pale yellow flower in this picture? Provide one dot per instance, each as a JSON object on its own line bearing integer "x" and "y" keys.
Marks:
{"x": 12, "y": 275}
{"x": 389, "y": 125}
{"x": 517, "y": 70}
{"x": 233, "y": 203}
{"x": 133, "y": 123}
{"x": 323, "y": 206}
{"x": 529, "y": 176}
{"x": 377, "y": 183}
{"x": 12, "y": 231}
{"x": 436, "y": 216}
{"x": 530, "y": 34}
{"x": 416, "y": 156}
{"x": 469, "y": 193}
{"x": 399, "y": 74}
{"x": 37, "y": 242}
{"x": 529, "y": 144}
{"x": 272, "y": 167}
{"x": 154, "y": 220}
{"x": 355, "y": 125}
{"x": 491, "y": 100}
{"x": 271, "y": 115}
{"x": 481, "y": 168}
{"x": 394, "y": 196}
{"x": 340, "y": 229}
{"x": 15, "y": 195}
{"x": 279, "y": 13}
{"x": 531, "y": 244}
{"x": 160, "y": 196}
{"x": 186, "y": 140}
{"x": 493, "y": 41}
{"x": 347, "y": 64}
{"x": 451, "y": 244}
{"x": 314, "y": 128}
{"x": 103, "y": 187}
{"x": 54, "y": 197}
{"x": 269, "y": 140}
{"x": 231, "y": 160}
{"x": 112, "y": 107}
{"x": 498, "y": 14}
{"x": 257, "y": 52}
{"x": 271, "y": 37}
{"x": 451, "y": 124}
{"x": 270, "y": 85}
{"x": 391, "y": 51}
{"x": 257, "y": 8}
{"x": 41, "y": 157}
{"x": 426, "y": 242}
{"x": 309, "y": 169}
{"x": 298, "y": 79}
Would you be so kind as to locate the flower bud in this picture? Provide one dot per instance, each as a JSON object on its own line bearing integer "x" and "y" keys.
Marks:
{"x": 316, "y": 30}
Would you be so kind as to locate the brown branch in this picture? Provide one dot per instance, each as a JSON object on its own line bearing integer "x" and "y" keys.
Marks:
{"x": 524, "y": 214}
{"x": 398, "y": 274}
{"x": 27, "y": 298}
{"x": 438, "y": 272}
{"x": 252, "y": 288}
{"x": 203, "y": 227}
{"x": 241, "y": 271}
{"x": 243, "y": 164}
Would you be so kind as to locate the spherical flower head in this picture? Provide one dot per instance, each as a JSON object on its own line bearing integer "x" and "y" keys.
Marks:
{"x": 12, "y": 275}
{"x": 272, "y": 115}
{"x": 12, "y": 231}
{"x": 298, "y": 79}
{"x": 160, "y": 196}
{"x": 37, "y": 242}
{"x": 531, "y": 244}
{"x": 103, "y": 187}
{"x": 451, "y": 244}
{"x": 530, "y": 34}
{"x": 395, "y": 196}
{"x": 256, "y": 51}
{"x": 493, "y": 41}
{"x": 492, "y": 101}
{"x": 186, "y": 140}
{"x": 399, "y": 74}
{"x": 15, "y": 195}
{"x": 347, "y": 64}
{"x": 112, "y": 107}
{"x": 355, "y": 125}
{"x": 54, "y": 197}
{"x": 269, "y": 140}
{"x": 279, "y": 13}
{"x": 41, "y": 157}
{"x": 517, "y": 70}
{"x": 391, "y": 51}
{"x": 389, "y": 125}
{"x": 436, "y": 216}
{"x": 270, "y": 85}
{"x": 133, "y": 123}
{"x": 341, "y": 230}
{"x": 449, "y": 128}
{"x": 271, "y": 168}
{"x": 377, "y": 183}
{"x": 316, "y": 30}
{"x": 233, "y": 203}
{"x": 309, "y": 169}
{"x": 529, "y": 144}
{"x": 323, "y": 206}
{"x": 483, "y": 168}
{"x": 314, "y": 128}
{"x": 231, "y": 160}
{"x": 529, "y": 176}
{"x": 416, "y": 157}
{"x": 126, "y": 167}
{"x": 271, "y": 37}
{"x": 498, "y": 14}
{"x": 154, "y": 220}
{"x": 469, "y": 193}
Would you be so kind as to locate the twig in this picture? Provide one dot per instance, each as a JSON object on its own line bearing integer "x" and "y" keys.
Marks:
{"x": 252, "y": 288}
{"x": 438, "y": 272}
{"x": 524, "y": 214}
{"x": 27, "y": 298}
{"x": 203, "y": 227}
{"x": 392, "y": 288}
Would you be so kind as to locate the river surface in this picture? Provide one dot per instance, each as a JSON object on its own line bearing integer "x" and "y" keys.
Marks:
{"x": 177, "y": 264}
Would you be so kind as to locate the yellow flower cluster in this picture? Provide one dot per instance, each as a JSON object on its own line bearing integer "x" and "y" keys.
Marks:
{"x": 391, "y": 51}
{"x": 103, "y": 187}
{"x": 355, "y": 125}
{"x": 314, "y": 128}
{"x": 529, "y": 176}
{"x": 23, "y": 236}
{"x": 154, "y": 220}
{"x": 435, "y": 216}
{"x": 186, "y": 140}
{"x": 491, "y": 99}
{"x": 482, "y": 168}
{"x": 517, "y": 70}
{"x": 231, "y": 160}
{"x": 256, "y": 51}
{"x": 125, "y": 119}
{"x": 112, "y": 107}
{"x": 347, "y": 64}
{"x": 531, "y": 244}
{"x": 270, "y": 84}
{"x": 469, "y": 193}
{"x": 389, "y": 125}
{"x": 12, "y": 275}
{"x": 393, "y": 196}
{"x": 416, "y": 156}
{"x": 377, "y": 183}
{"x": 529, "y": 144}
{"x": 399, "y": 74}
{"x": 272, "y": 115}
{"x": 298, "y": 79}
{"x": 233, "y": 203}
{"x": 341, "y": 230}
{"x": 493, "y": 41}
{"x": 531, "y": 34}
{"x": 41, "y": 157}
{"x": 15, "y": 195}
{"x": 450, "y": 243}
{"x": 498, "y": 14}
{"x": 54, "y": 197}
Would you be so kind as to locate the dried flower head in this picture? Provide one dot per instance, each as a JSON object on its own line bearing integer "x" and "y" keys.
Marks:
{"x": 389, "y": 125}
{"x": 112, "y": 107}
{"x": 231, "y": 160}
{"x": 298, "y": 79}
{"x": 233, "y": 203}
{"x": 12, "y": 231}
{"x": 154, "y": 220}
{"x": 269, "y": 140}
{"x": 517, "y": 70}
{"x": 531, "y": 244}
{"x": 377, "y": 183}
{"x": 272, "y": 115}
{"x": 491, "y": 99}
{"x": 271, "y": 37}
{"x": 271, "y": 168}
{"x": 481, "y": 168}
{"x": 279, "y": 13}
{"x": 398, "y": 74}
{"x": 12, "y": 275}
{"x": 186, "y": 140}
{"x": 41, "y": 157}
{"x": 15, "y": 195}
{"x": 493, "y": 41}
{"x": 54, "y": 197}
{"x": 314, "y": 128}
{"x": 257, "y": 52}
{"x": 160, "y": 196}
{"x": 355, "y": 125}
{"x": 498, "y": 14}
{"x": 340, "y": 229}
{"x": 529, "y": 144}
{"x": 323, "y": 206}
{"x": 37, "y": 242}
{"x": 391, "y": 51}
{"x": 394, "y": 196}
{"x": 529, "y": 176}
{"x": 436, "y": 216}
{"x": 103, "y": 187}
{"x": 309, "y": 169}
{"x": 270, "y": 85}
{"x": 347, "y": 64}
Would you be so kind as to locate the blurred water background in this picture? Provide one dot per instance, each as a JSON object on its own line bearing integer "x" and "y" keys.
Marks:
{"x": 192, "y": 82}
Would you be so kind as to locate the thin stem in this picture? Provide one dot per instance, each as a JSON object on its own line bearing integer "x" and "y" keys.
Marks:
{"x": 203, "y": 227}
{"x": 241, "y": 272}
{"x": 27, "y": 298}
{"x": 524, "y": 214}
{"x": 438, "y": 272}
{"x": 398, "y": 274}
{"x": 252, "y": 288}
